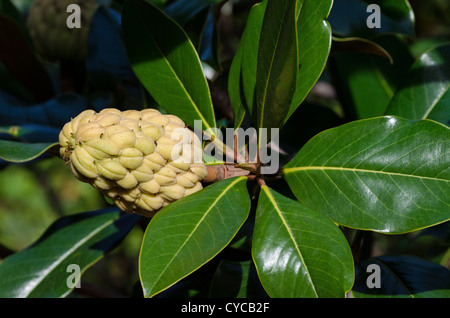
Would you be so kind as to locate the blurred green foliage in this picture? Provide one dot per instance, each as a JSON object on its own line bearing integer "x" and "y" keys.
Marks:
{"x": 34, "y": 195}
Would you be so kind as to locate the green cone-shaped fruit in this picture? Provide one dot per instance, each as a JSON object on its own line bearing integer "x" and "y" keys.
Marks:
{"x": 134, "y": 157}
{"x": 51, "y": 36}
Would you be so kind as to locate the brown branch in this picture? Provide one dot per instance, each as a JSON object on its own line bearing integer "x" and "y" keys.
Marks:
{"x": 223, "y": 171}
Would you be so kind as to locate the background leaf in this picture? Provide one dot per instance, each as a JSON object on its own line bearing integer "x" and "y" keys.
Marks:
{"x": 299, "y": 249}
{"x": 366, "y": 82}
{"x": 276, "y": 72}
{"x": 235, "y": 89}
{"x": 249, "y": 45}
{"x": 236, "y": 280}
{"x": 9, "y": 9}
{"x": 54, "y": 112}
{"x": 425, "y": 92}
{"x": 14, "y": 151}
{"x": 82, "y": 239}
{"x": 189, "y": 232}
{"x": 184, "y": 10}
{"x": 31, "y": 133}
{"x": 166, "y": 63}
{"x": 349, "y": 17}
{"x": 385, "y": 174}
{"x": 18, "y": 58}
{"x": 314, "y": 43}
{"x": 108, "y": 58}
{"x": 196, "y": 17}
{"x": 209, "y": 42}
{"x": 356, "y": 44}
{"x": 402, "y": 277}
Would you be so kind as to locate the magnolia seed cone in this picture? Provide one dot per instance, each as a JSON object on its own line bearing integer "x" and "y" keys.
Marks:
{"x": 142, "y": 160}
{"x": 52, "y": 38}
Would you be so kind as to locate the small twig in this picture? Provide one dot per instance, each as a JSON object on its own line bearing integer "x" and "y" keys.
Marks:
{"x": 223, "y": 171}
{"x": 261, "y": 182}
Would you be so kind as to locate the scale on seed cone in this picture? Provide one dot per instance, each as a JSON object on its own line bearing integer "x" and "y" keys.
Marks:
{"x": 142, "y": 160}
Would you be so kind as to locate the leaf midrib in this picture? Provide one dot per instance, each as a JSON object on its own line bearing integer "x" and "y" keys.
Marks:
{"x": 263, "y": 102}
{"x": 295, "y": 169}
{"x": 196, "y": 108}
{"x": 194, "y": 230}
{"x": 291, "y": 235}
{"x": 435, "y": 102}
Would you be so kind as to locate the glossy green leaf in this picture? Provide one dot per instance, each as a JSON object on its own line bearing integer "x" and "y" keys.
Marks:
{"x": 276, "y": 73}
{"x": 242, "y": 77}
{"x": 355, "y": 44}
{"x": 166, "y": 63}
{"x": 242, "y": 241}
{"x": 425, "y": 93}
{"x": 423, "y": 45}
{"x": 314, "y": 43}
{"x": 386, "y": 174}
{"x": 15, "y": 151}
{"x": 189, "y": 232}
{"x": 249, "y": 46}
{"x": 299, "y": 249}
{"x": 42, "y": 270}
{"x": 366, "y": 82}
{"x": 400, "y": 277}
{"x": 350, "y": 17}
